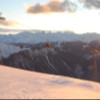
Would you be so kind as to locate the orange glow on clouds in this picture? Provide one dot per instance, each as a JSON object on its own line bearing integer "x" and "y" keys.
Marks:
{"x": 8, "y": 23}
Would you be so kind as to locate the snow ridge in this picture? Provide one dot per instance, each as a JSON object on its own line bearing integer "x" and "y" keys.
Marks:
{"x": 43, "y": 36}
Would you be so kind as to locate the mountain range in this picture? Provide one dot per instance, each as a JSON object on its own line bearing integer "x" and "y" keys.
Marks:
{"x": 70, "y": 54}
{"x": 44, "y": 36}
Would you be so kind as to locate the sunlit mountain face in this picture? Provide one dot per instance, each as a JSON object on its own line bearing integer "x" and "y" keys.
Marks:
{"x": 58, "y": 37}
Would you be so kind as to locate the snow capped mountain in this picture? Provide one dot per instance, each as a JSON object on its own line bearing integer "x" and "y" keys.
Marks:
{"x": 69, "y": 53}
{"x": 72, "y": 59}
{"x": 7, "y": 49}
{"x": 43, "y": 36}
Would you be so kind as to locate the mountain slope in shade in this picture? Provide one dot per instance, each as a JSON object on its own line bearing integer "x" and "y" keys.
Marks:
{"x": 19, "y": 84}
{"x": 73, "y": 59}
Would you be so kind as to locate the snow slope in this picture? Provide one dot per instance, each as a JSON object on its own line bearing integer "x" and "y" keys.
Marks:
{"x": 19, "y": 84}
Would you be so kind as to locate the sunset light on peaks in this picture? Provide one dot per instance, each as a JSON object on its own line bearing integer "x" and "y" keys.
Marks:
{"x": 49, "y": 49}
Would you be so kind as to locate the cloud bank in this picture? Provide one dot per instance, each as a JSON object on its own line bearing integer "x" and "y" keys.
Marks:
{"x": 58, "y": 6}
{"x": 91, "y": 3}
{"x": 52, "y": 6}
{"x": 8, "y": 23}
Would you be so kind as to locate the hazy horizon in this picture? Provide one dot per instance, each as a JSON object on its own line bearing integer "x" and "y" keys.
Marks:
{"x": 79, "y": 16}
{"x": 18, "y": 31}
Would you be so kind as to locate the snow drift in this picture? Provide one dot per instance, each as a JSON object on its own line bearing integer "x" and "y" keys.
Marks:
{"x": 19, "y": 84}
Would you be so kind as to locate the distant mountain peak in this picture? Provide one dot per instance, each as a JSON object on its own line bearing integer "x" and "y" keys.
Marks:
{"x": 43, "y": 36}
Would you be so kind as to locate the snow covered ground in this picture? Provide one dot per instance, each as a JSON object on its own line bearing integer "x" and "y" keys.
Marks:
{"x": 20, "y": 84}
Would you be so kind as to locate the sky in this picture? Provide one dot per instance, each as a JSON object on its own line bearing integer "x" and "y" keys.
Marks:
{"x": 79, "y": 16}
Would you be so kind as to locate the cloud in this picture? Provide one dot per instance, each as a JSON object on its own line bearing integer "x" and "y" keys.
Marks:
{"x": 91, "y": 3}
{"x": 8, "y": 23}
{"x": 52, "y": 6}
